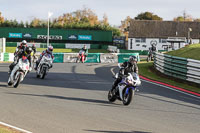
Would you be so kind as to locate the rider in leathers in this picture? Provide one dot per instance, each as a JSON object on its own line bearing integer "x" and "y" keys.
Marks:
{"x": 26, "y": 53}
{"x": 129, "y": 66}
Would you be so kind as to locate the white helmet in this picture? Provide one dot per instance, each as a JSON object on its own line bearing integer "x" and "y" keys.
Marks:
{"x": 24, "y": 41}
{"x": 49, "y": 49}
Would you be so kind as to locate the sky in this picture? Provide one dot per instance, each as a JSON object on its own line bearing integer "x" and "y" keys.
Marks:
{"x": 116, "y": 10}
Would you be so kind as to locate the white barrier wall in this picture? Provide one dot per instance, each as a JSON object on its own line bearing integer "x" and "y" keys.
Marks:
{"x": 109, "y": 58}
{"x": 1, "y": 56}
{"x": 70, "y": 57}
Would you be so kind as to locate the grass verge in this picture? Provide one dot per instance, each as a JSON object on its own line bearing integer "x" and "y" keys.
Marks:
{"x": 12, "y": 50}
{"x": 4, "y": 129}
{"x": 190, "y": 51}
{"x": 147, "y": 70}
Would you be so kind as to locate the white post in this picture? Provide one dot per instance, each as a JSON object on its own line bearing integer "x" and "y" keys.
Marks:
{"x": 4, "y": 45}
{"x": 48, "y": 33}
{"x": 49, "y": 15}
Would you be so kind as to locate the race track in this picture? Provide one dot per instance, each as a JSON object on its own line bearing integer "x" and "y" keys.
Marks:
{"x": 73, "y": 99}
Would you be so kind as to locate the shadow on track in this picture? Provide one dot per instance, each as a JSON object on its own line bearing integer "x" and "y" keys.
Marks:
{"x": 104, "y": 131}
{"x": 101, "y": 102}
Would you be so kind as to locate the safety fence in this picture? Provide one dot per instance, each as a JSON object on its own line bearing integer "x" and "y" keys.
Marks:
{"x": 91, "y": 57}
{"x": 178, "y": 67}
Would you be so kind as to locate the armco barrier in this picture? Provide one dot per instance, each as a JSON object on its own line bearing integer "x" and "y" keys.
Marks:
{"x": 124, "y": 57}
{"x": 182, "y": 68}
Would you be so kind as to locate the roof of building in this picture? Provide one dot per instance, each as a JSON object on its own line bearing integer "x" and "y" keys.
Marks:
{"x": 163, "y": 29}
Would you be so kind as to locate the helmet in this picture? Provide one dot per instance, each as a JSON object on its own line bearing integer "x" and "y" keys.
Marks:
{"x": 132, "y": 59}
{"x": 23, "y": 43}
{"x": 28, "y": 50}
{"x": 49, "y": 49}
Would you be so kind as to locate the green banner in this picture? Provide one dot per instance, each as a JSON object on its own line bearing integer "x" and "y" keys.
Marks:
{"x": 58, "y": 57}
{"x": 93, "y": 58}
{"x": 124, "y": 57}
{"x": 6, "y": 57}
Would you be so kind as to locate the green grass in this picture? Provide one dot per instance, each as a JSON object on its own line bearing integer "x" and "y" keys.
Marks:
{"x": 6, "y": 130}
{"x": 191, "y": 51}
{"x": 147, "y": 70}
{"x": 12, "y": 50}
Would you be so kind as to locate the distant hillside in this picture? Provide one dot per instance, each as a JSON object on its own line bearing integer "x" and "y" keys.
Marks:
{"x": 191, "y": 51}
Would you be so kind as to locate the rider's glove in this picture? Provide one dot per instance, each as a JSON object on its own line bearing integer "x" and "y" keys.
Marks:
{"x": 30, "y": 69}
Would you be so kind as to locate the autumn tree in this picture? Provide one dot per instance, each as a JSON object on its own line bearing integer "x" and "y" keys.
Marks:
{"x": 124, "y": 28}
{"x": 1, "y": 18}
{"x": 147, "y": 16}
{"x": 184, "y": 17}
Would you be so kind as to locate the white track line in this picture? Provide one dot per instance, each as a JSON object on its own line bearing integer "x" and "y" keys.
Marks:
{"x": 163, "y": 86}
{"x": 171, "y": 88}
{"x": 16, "y": 128}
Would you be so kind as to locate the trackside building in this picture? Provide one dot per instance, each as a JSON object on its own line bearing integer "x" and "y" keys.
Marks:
{"x": 166, "y": 35}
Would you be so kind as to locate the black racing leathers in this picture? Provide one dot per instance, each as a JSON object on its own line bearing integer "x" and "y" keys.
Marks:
{"x": 20, "y": 55}
{"x": 127, "y": 68}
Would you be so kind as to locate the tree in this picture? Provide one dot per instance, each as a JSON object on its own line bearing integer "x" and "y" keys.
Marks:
{"x": 1, "y": 19}
{"x": 147, "y": 16}
{"x": 184, "y": 17}
{"x": 124, "y": 28}
{"x": 105, "y": 20}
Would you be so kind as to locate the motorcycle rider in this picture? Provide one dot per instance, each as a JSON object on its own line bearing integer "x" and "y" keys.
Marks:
{"x": 34, "y": 49}
{"x": 25, "y": 52}
{"x": 20, "y": 49}
{"x": 129, "y": 66}
{"x": 85, "y": 50}
{"x": 49, "y": 51}
{"x": 152, "y": 50}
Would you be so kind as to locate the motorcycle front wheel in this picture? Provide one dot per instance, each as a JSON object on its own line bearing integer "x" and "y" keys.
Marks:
{"x": 9, "y": 82}
{"x": 127, "y": 97}
{"x": 17, "y": 81}
{"x": 43, "y": 73}
{"x": 111, "y": 96}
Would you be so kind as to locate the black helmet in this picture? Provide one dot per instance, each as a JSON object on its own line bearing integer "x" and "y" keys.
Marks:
{"x": 28, "y": 50}
{"x": 132, "y": 59}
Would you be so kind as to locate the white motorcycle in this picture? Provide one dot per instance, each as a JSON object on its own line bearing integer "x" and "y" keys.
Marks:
{"x": 19, "y": 72}
{"x": 44, "y": 66}
{"x": 125, "y": 90}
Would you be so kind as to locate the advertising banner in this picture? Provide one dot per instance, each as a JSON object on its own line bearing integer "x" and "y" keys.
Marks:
{"x": 108, "y": 58}
{"x": 27, "y": 35}
{"x": 124, "y": 57}
{"x": 51, "y": 37}
{"x": 84, "y": 37}
{"x": 15, "y": 35}
{"x": 76, "y": 46}
{"x": 93, "y": 58}
{"x": 72, "y": 37}
{"x": 58, "y": 57}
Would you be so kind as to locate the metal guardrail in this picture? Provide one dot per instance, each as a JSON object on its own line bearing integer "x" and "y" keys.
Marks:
{"x": 178, "y": 67}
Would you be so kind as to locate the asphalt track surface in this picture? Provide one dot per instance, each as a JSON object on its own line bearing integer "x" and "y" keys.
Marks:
{"x": 73, "y": 99}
